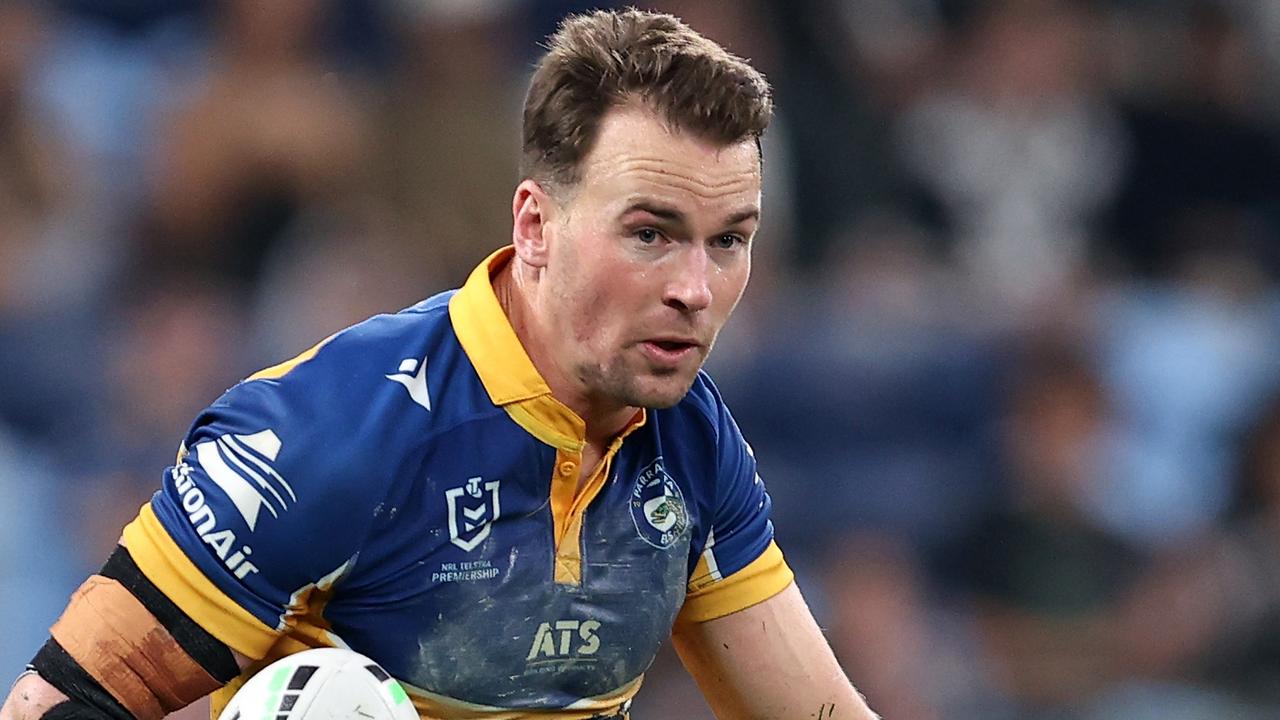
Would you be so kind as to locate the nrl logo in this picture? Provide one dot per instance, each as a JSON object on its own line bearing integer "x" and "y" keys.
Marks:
{"x": 472, "y": 509}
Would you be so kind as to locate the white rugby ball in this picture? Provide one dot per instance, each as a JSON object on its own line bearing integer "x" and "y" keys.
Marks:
{"x": 322, "y": 684}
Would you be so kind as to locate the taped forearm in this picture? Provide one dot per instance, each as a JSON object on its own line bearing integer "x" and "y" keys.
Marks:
{"x": 123, "y": 651}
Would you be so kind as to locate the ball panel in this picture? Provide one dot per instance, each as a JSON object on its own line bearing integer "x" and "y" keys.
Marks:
{"x": 322, "y": 684}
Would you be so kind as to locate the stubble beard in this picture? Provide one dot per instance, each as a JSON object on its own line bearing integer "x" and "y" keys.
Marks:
{"x": 625, "y": 385}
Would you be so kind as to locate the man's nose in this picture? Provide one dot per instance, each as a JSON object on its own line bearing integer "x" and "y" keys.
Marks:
{"x": 689, "y": 286}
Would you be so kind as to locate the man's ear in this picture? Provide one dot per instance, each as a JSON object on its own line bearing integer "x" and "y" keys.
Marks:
{"x": 533, "y": 211}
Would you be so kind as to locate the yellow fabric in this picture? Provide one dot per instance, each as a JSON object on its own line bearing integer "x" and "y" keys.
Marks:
{"x": 168, "y": 568}
{"x": 569, "y": 503}
{"x": 564, "y": 485}
{"x": 504, "y": 367}
{"x": 281, "y": 369}
{"x": 309, "y": 636}
{"x": 431, "y": 706}
{"x": 220, "y": 698}
{"x": 540, "y": 417}
{"x": 702, "y": 575}
{"x": 307, "y": 629}
{"x": 763, "y": 578}
{"x": 515, "y": 385}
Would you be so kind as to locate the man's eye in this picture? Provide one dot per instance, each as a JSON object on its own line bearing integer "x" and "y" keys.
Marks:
{"x": 728, "y": 242}
{"x": 648, "y": 236}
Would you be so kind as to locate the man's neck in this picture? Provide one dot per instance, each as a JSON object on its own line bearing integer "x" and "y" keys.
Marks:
{"x": 515, "y": 286}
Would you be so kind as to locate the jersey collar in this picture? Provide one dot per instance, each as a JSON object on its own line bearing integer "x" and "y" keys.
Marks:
{"x": 504, "y": 367}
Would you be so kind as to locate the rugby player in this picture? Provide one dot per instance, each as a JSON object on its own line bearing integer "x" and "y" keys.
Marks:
{"x": 511, "y": 494}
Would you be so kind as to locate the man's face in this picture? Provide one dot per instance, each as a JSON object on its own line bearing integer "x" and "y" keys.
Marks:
{"x": 648, "y": 257}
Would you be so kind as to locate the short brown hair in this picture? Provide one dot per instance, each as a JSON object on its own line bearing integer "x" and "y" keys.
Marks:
{"x": 605, "y": 59}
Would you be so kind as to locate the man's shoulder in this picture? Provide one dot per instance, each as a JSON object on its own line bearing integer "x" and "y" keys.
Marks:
{"x": 384, "y": 384}
{"x": 334, "y": 429}
{"x": 424, "y": 325}
{"x": 394, "y": 348}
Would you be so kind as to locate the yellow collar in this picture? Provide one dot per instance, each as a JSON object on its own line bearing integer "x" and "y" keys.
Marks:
{"x": 505, "y": 369}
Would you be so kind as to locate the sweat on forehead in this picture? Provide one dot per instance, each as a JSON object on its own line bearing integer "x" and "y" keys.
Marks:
{"x": 636, "y": 153}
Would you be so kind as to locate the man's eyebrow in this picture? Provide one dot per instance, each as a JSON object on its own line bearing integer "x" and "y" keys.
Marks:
{"x": 658, "y": 210}
{"x": 666, "y": 212}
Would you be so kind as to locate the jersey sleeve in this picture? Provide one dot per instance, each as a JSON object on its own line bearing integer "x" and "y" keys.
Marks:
{"x": 740, "y": 564}
{"x": 264, "y": 504}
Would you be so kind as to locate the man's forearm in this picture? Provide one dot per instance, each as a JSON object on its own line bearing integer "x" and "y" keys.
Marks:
{"x": 121, "y": 650}
{"x": 31, "y": 699}
{"x": 768, "y": 662}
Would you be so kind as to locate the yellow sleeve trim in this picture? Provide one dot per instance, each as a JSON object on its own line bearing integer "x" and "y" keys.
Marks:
{"x": 765, "y": 577}
{"x": 167, "y": 566}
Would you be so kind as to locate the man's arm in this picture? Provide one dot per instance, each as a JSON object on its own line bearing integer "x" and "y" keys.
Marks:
{"x": 178, "y": 608}
{"x": 768, "y": 662}
{"x": 31, "y": 699}
{"x": 121, "y": 650}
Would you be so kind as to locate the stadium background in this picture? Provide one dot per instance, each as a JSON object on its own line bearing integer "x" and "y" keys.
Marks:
{"x": 1009, "y": 359}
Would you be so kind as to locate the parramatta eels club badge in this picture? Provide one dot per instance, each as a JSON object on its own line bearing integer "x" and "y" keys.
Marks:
{"x": 472, "y": 509}
{"x": 657, "y": 507}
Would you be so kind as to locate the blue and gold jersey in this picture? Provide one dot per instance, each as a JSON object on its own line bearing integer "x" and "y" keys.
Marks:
{"x": 409, "y": 489}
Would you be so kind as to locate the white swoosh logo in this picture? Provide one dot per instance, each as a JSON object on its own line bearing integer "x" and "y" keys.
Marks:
{"x": 416, "y": 384}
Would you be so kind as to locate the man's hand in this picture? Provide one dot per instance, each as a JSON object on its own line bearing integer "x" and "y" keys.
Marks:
{"x": 769, "y": 662}
{"x": 30, "y": 699}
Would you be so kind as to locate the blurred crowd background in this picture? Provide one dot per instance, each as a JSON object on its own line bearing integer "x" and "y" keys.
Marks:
{"x": 1010, "y": 358}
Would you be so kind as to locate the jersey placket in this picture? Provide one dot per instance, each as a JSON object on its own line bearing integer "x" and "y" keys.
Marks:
{"x": 569, "y": 505}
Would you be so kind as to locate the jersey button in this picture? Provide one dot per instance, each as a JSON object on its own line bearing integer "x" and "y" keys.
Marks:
{"x": 568, "y": 468}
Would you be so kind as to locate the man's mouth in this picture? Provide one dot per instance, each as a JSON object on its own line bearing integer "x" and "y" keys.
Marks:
{"x": 669, "y": 351}
{"x": 672, "y": 345}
